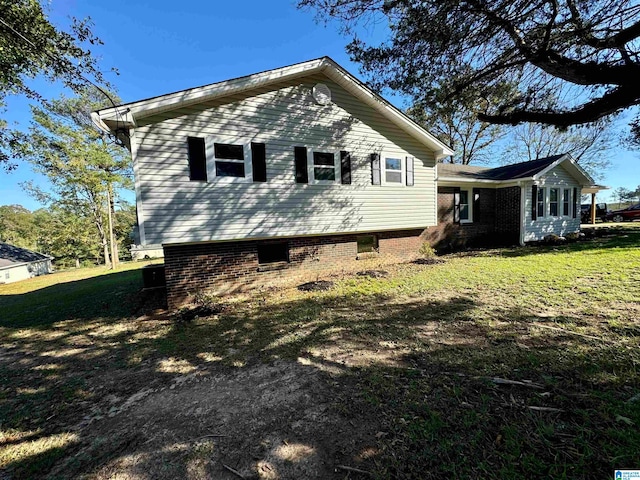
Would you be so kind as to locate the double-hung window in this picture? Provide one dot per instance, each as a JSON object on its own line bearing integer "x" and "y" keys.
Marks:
{"x": 566, "y": 201}
{"x": 540, "y": 202}
{"x": 324, "y": 166}
{"x": 465, "y": 208}
{"x": 229, "y": 160}
{"x": 392, "y": 170}
{"x": 553, "y": 202}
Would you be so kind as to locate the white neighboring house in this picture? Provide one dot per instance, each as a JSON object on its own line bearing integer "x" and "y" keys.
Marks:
{"x": 19, "y": 263}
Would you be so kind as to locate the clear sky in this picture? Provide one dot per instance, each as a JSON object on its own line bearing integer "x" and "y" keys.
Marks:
{"x": 162, "y": 46}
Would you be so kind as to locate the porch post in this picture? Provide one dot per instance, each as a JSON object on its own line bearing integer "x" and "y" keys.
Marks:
{"x": 593, "y": 208}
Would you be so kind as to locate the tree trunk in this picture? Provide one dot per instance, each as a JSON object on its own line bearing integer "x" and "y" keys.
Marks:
{"x": 115, "y": 256}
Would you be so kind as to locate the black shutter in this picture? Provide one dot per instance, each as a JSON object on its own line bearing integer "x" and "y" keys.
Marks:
{"x": 302, "y": 174}
{"x": 476, "y": 205}
{"x": 409, "y": 167}
{"x": 345, "y": 167}
{"x": 534, "y": 202}
{"x": 456, "y": 205}
{"x": 259, "y": 162}
{"x": 575, "y": 202}
{"x": 197, "y": 159}
{"x": 375, "y": 169}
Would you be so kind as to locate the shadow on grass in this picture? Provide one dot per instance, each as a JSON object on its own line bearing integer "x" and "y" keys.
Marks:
{"x": 416, "y": 369}
{"x": 111, "y": 295}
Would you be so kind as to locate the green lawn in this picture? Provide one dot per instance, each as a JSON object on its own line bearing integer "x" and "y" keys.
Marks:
{"x": 413, "y": 357}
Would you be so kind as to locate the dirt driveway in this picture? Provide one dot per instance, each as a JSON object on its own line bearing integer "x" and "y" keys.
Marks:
{"x": 265, "y": 421}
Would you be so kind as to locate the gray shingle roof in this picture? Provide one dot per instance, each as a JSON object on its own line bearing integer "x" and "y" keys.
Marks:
{"x": 11, "y": 255}
{"x": 507, "y": 172}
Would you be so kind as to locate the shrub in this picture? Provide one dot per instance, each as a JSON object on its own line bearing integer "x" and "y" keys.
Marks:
{"x": 426, "y": 250}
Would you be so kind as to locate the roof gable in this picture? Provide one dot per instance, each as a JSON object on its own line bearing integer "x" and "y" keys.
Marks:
{"x": 12, "y": 255}
{"x": 123, "y": 117}
{"x": 530, "y": 170}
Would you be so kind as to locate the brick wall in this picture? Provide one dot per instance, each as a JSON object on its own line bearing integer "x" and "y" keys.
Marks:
{"x": 508, "y": 215}
{"x": 227, "y": 267}
{"x": 496, "y": 222}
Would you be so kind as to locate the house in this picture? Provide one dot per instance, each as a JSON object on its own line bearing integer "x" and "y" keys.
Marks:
{"x": 299, "y": 168}
{"x": 19, "y": 263}
{"x": 512, "y": 204}
{"x": 291, "y": 170}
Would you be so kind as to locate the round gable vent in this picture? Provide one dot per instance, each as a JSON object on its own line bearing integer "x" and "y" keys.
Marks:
{"x": 322, "y": 94}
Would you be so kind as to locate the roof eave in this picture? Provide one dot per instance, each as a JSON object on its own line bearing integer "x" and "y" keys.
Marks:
{"x": 126, "y": 115}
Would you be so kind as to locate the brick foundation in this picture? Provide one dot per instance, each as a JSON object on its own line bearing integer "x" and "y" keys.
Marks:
{"x": 227, "y": 267}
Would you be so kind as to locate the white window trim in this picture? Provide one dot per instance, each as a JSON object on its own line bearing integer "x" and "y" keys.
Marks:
{"x": 561, "y": 210}
{"x": 545, "y": 202}
{"x": 403, "y": 169}
{"x": 311, "y": 166}
{"x": 211, "y": 159}
{"x": 469, "y": 202}
{"x": 558, "y": 201}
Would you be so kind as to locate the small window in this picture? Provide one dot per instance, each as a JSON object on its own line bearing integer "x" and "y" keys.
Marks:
{"x": 367, "y": 243}
{"x": 553, "y": 202}
{"x": 540, "y": 202}
{"x": 324, "y": 166}
{"x": 566, "y": 201}
{"x": 464, "y": 206}
{"x": 7, "y": 275}
{"x": 229, "y": 160}
{"x": 393, "y": 170}
{"x": 273, "y": 252}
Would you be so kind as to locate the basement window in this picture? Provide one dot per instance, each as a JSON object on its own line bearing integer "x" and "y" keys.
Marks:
{"x": 273, "y": 252}
{"x": 367, "y": 243}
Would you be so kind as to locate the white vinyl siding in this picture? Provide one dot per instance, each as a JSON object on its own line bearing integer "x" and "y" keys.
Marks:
{"x": 559, "y": 179}
{"x": 177, "y": 210}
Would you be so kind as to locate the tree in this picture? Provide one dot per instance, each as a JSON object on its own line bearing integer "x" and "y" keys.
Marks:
{"x": 455, "y": 124}
{"x": 31, "y": 46}
{"x": 83, "y": 166}
{"x": 623, "y": 194}
{"x": 69, "y": 238}
{"x": 588, "y": 51}
{"x": 17, "y": 226}
{"x": 588, "y": 145}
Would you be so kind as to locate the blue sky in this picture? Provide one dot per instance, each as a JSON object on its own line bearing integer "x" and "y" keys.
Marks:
{"x": 162, "y": 46}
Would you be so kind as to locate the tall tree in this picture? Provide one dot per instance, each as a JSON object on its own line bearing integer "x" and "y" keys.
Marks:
{"x": 588, "y": 145}
{"x": 17, "y": 226}
{"x": 32, "y": 46}
{"x": 455, "y": 122}
{"x": 71, "y": 239}
{"x": 81, "y": 164}
{"x": 588, "y": 51}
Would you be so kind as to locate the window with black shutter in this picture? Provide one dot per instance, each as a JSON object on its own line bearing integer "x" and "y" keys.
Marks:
{"x": 345, "y": 168}
{"x": 300, "y": 155}
{"x": 259, "y": 162}
{"x": 197, "y": 159}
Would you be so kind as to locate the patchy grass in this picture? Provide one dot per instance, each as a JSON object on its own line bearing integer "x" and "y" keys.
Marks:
{"x": 394, "y": 375}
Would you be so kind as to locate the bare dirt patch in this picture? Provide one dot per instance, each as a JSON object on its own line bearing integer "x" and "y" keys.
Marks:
{"x": 275, "y": 421}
